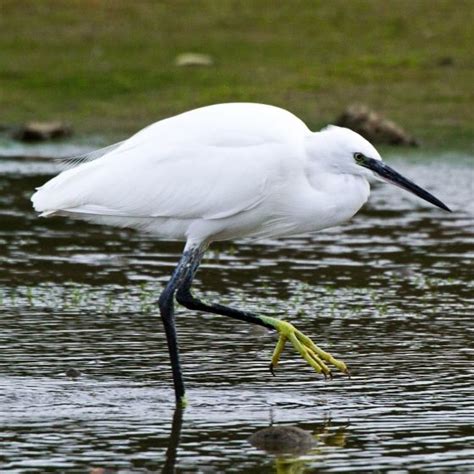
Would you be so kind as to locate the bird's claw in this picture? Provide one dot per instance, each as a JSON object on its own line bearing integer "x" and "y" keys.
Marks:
{"x": 316, "y": 357}
{"x": 271, "y": 369}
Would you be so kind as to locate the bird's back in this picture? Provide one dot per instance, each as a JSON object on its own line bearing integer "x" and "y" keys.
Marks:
{"x": 225, "y": 125}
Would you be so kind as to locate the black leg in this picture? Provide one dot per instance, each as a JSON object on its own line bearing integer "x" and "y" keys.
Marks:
{"x": 316, "y": 357}
{"x": 187, "y": 299}
{"x": 184, "y": 268}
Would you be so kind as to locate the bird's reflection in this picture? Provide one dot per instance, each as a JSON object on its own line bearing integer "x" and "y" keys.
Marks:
{"x": 173, "y": 442}
{"x": 292, "y": 446}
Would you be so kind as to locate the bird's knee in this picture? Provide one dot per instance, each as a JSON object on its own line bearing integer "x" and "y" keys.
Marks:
{"x": 185, "y": 298}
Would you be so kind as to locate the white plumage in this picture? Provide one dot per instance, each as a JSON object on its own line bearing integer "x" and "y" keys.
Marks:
{"x": 218, "y": 172}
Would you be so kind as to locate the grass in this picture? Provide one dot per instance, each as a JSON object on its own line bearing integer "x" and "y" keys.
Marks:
{"x": 330, "y": 300}
{"x": 108, "y": 66}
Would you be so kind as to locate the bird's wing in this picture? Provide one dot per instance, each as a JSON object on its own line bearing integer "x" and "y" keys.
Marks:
{"x": 73, "y": 161}
{"x": 210, "y": 163}
{"x": 191, "y": 181}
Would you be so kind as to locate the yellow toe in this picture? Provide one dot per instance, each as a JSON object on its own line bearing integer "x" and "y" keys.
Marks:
{"x": 316, "y": 357}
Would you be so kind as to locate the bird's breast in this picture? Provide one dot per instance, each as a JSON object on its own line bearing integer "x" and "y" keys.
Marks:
{"x": 333, "y": 202}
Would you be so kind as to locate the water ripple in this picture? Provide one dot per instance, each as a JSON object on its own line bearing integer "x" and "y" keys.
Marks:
{"x": 390, "y": 293}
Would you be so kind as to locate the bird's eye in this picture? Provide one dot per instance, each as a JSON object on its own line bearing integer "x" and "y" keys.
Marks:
{"x": 358, "y": 157}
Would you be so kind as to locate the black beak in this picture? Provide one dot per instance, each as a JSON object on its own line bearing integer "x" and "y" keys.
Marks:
{"x": 390, "y": 175}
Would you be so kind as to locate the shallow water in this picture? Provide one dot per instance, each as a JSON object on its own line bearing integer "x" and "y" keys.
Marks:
{"x": 390, "y": 293}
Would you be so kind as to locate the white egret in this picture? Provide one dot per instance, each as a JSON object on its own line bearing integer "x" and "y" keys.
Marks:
{"x": 223, "y": 172}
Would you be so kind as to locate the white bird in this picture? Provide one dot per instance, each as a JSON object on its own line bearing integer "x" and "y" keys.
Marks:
{"x": 223, "y": 172}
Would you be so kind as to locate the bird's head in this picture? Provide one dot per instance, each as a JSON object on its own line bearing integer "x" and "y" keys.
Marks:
{"x": 343, "y": 151}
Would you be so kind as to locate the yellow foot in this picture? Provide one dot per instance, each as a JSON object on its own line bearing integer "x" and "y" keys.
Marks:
{"x": 316, "y": 357}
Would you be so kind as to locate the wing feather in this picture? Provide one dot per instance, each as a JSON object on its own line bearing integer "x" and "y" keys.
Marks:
{"x": 210, "y": 163}
{"x": 209, "y": 183}
{"x": 76, "y": 160}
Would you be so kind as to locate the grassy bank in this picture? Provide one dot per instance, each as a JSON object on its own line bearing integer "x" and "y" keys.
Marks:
{"x": 108, "y": 66}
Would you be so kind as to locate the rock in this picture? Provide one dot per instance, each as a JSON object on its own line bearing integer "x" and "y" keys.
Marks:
{"x": 283, "y": 439}
{"x": 73, "y": 373}
{"x": 42, "y": 131}
{"x": 193, "y": 59}
{"x": 445, "y": 61}
{"x": 374, "y": 127}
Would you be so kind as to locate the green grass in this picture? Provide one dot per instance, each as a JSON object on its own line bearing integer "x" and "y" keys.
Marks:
{"x": 108, "y": 66}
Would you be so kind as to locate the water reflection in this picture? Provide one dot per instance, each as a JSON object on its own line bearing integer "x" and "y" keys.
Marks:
{"x": 291, "y": 447}
{"x": 294, "y": 448}
{"x": 173, "y": 443}
{"x": 390, "y": 294}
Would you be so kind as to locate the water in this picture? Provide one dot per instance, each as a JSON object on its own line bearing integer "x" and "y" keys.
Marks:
{"x": 390, "y": 293}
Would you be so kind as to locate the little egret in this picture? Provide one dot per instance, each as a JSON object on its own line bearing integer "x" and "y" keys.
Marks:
{"x": 224, "y": 172}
